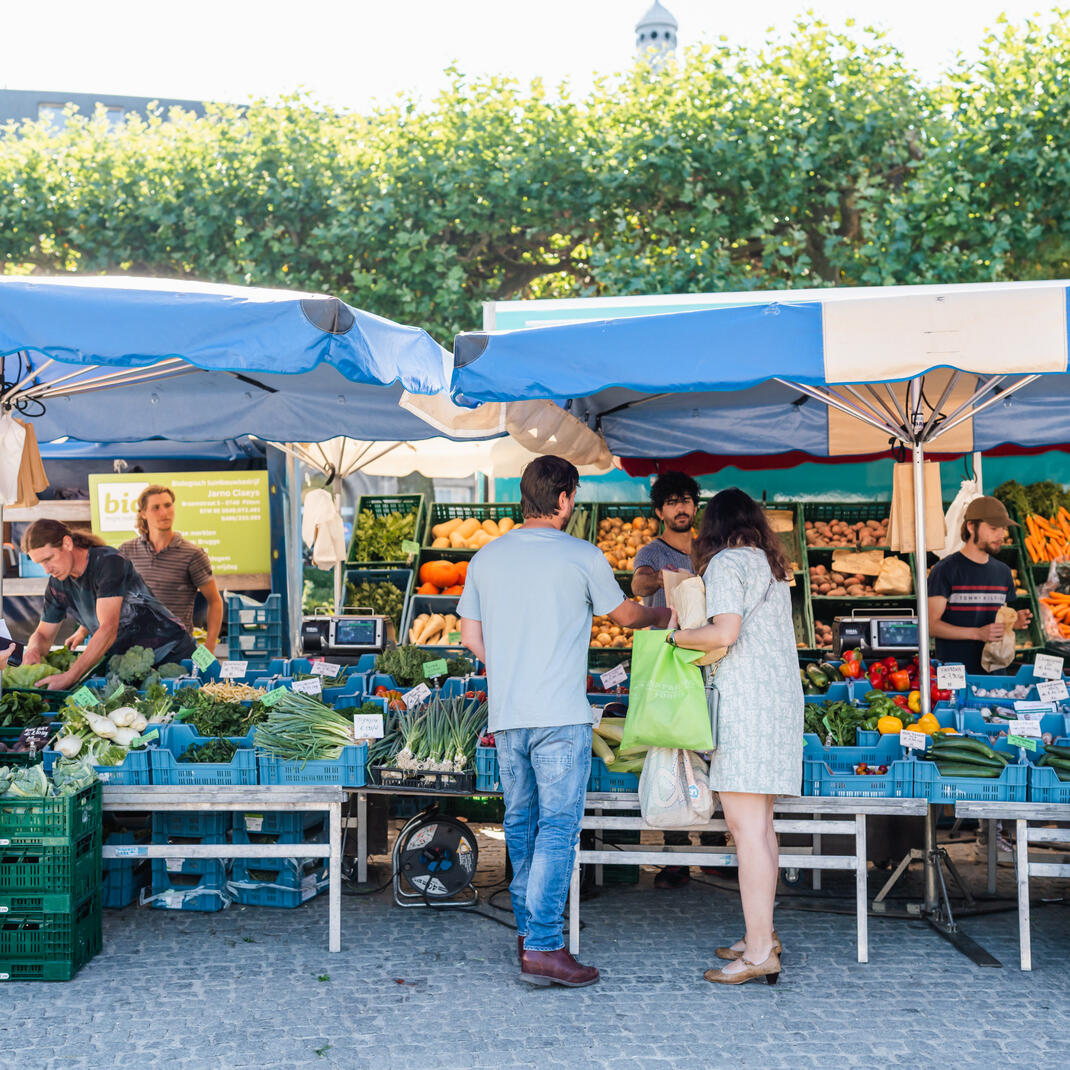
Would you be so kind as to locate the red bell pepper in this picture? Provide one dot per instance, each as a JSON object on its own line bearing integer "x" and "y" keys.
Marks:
{"x": 937, "y": 694}
{"x": 878, "y": 676}
{"x": 899, "y": 679}
{"x": 901, "y": 701}
{"x": 851, "y": 670}
{"x": 890, "y": 663}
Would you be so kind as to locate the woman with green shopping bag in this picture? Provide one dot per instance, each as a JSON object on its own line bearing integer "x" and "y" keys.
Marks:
{"x": 759, "y": 710}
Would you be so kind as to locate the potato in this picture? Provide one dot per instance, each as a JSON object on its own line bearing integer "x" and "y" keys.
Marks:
{"x": 837, "y": 578}
{"x": 604, "y": 638}
{"x": 856, "y": 590}
{"x": 837, "y": 592}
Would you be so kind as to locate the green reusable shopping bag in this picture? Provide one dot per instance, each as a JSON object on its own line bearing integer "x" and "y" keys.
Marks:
{"x": 666, "y": 697}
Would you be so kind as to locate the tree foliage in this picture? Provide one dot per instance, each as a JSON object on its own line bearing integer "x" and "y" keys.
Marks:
{"x": 820, "y": 159}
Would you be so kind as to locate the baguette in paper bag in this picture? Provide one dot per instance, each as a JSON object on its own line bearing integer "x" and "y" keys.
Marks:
{"x": 999, "y": 653}
{"x": 688, "y": 597}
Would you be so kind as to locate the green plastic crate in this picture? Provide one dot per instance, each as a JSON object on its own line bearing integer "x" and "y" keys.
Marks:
{"x": 382, "y": 505}
{"x": 443, "y": 511}
{"x": 42, "y": 929}
{"x": 53, "y": 821}
{"x": 33, "y": 869}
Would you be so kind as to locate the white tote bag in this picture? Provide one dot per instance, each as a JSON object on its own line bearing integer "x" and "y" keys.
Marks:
{"x": 674, "y": 789}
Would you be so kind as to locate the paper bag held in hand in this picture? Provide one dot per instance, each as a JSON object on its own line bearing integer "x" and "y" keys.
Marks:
{"x": 999, "y": 653}
{"x": 688, "y": 598}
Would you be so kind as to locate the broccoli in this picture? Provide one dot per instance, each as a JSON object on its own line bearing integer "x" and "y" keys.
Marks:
{"x": 170, "y": 670}
{"x": 133, "y": 666}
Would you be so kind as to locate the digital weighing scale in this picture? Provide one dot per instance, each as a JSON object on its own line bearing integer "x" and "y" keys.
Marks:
{"x": 876, "y": 632}
{"x": 347, "y": 635}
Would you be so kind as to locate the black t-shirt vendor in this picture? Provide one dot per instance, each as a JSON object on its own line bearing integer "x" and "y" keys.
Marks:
{"x": 96, "y": 586}
{"x": 967, "y": 588}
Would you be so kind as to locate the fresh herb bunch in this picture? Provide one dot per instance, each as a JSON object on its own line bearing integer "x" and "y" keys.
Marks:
{"x": 213, "y": 717}
{"x": 215, "y": 750}
{"x": 440, "y": 737}
{"x": 384, "y": 598}
{"x": 1042, "y": 499}
{"x": 22, "y": 709}
{"x": 379, "y": 538}
{"x": 406, "y": 664}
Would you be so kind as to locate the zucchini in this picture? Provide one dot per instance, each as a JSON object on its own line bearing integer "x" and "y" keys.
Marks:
{"x": 966, "y": 743}
{"x": 1056, "y": 751}
{"x": 959, "y": 769}
{"x": 966, "y": 757}
{"x": 830, "y": 670}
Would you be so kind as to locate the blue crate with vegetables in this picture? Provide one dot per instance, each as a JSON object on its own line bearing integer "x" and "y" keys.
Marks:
{"x": 1049, "y": 773}
{"x": 202, "y": 892}
{"x": 613, "y": 769}
{"x": 261, "y": 883}
{"x": 957, "y": 768}
{"x": 187, "y": 759}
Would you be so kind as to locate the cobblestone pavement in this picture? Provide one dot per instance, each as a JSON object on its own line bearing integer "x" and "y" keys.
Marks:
{"x": 412, "y": 989}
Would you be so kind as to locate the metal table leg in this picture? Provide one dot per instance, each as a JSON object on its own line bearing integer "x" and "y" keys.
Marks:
{"x": 861, "y": 887}
{"x": 1021, "y": 848}
{"x": 362, "y": 837}
{"x": 993, "y": 851}
{"x": 574, "y": 908}
{"x": 335, "y": 889}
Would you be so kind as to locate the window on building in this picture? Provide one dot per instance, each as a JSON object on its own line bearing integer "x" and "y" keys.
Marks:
{"x": 52, "y": 113}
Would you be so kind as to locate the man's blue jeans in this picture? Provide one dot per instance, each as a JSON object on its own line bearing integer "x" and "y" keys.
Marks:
{"x": 544, "y": 774}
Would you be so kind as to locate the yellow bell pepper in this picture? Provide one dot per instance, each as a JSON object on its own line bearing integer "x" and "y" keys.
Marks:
{"x": 927, "y": 724}
{"x": 889, "y": 725}
{"x": 914, "y": 702}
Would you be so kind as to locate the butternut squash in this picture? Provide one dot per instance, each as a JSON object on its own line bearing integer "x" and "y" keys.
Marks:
{"x": 507, "y": 523}
{"x": 479, "y": 540}
{"x": 491, "y": 528}
{"x": 441, "y": 543}
{"x": 458, "y": 541}
{"x": 445, "y": 529}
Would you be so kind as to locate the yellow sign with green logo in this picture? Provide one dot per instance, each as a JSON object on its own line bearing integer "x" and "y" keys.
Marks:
{"x": 224, "y": 513}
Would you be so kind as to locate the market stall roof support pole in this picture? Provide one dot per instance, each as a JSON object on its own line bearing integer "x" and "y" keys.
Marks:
{"x": 921, "y": 583}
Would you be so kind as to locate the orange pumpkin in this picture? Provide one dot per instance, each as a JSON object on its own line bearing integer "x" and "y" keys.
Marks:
{"x": 457, "y": 589}
{"x": 428, "y": 588}
{"x": 440, "y": 573}
{"x": 462, "y": 570}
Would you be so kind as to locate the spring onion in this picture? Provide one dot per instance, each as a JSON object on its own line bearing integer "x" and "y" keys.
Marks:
{"x": 301, "y": 728}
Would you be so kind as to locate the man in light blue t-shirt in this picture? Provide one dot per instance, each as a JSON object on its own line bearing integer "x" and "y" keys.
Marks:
{"x": 526, "y": 611}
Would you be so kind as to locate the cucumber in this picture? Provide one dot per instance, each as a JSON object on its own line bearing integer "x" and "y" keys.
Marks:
{"x": 958, "y": 769}
{"x": 830, "y": 670}
{"x": 1057, "y": 751}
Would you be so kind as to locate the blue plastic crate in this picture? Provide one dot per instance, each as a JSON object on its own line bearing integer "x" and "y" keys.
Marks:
{"x": 603, "y": 779}
{"x": 316, "y": 833}
{"x": 285, "y": 824}
{"x": 944, "y": 714}
{"x": 166, "y": 868}
{"x": 204, "y": 893}
{"x": 347, "y": 770}
{"x": 1010, "y": 786}
{"x": 487, "y": 776}
{"x": 820, "y": 780}
{"x": 1046, "y": 787}
{"x": 124, "y": 878}
{"x": 287, "y": 887}
{"x": 133, "y": 770}
{"x": 168, "y": 770}
{"x": 205, "y": 826}
{"x": 844, "y": 759}
{"x": 245, "y": 612}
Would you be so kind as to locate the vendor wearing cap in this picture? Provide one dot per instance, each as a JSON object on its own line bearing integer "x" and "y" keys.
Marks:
{"x": 967, "y": 588}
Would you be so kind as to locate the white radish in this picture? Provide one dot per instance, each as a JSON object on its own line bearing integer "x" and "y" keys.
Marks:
{"x": 124, "y": 716}
{"x": 69, "y": 746}
{"x": 102, "y": 726}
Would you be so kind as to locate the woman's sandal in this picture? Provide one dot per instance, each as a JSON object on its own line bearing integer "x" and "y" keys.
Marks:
{"x": 770, "y": 970}
{"x": 731, "y": 953}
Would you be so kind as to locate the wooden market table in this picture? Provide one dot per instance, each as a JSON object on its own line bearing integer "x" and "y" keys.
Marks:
{"x": 1021, "y": 814}
{"x": 294, "y": 799}
{"x": 852, "y": 811}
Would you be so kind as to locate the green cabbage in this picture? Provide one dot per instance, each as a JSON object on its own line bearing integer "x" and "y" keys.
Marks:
{"x": 25, "y": 675}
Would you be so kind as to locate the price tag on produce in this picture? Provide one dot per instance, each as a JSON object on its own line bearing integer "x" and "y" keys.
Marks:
{"x": 233, "y": 670}
{"x": 1026, "y": 728}
{"x": 312, "y": 686}
{"x": 1033, "y": 711}
{"x": 84, "y": 697}
{"x": 203, "y": 658}
{"x": 435, "y": 668}
{"x": 273, "y": 695}
{"x": 325, "y": 668}
{"x": 614, "y": 677}
{"x": 367, "y": 726}
{"x": 1048, "y": 667}
{"x": 1023, "y": 742}
{"x": 598, "y": 711}
{"x": 420, "y": 693}
{"x": 453, "y": 637}
{"x": 35, "y": 738}
{"x": 913, "y": 740}
{"x": 1053, "y": 691}
{"x": 950, "y": 677}
{"x": 410, "y": 547}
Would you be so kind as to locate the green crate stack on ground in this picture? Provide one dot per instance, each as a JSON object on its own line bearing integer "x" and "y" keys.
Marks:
{"x": 50, "y": 885}
{"x": 381, "y": 523}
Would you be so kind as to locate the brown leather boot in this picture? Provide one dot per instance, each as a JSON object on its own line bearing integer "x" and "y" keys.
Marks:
{"x": 520, "y": 949}
{"x": 555, "y": 968}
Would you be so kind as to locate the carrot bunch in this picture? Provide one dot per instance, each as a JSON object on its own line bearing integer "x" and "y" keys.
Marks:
{"x": 1059, "y": 604}
{"x": 1048, "y": 539}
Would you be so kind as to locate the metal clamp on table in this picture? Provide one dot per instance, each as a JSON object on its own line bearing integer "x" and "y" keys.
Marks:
{"x": 855, "y": 810}
{"x": 296, "y": 799}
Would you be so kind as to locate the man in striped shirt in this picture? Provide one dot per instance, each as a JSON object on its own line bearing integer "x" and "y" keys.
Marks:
{"x": 174, "y": 568}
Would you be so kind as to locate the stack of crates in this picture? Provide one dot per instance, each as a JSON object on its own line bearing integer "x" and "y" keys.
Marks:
{"x": 254, "y": 630}
{"x": 190, "y": 883}
{"x": 125, "y": 877}
{"x": 279, "y": 882}
{"x": 50, "y": 873}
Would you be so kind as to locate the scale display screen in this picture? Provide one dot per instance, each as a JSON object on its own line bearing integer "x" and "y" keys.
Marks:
{"x": 355, "y": 633}
{"x": 897, "y": 633}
